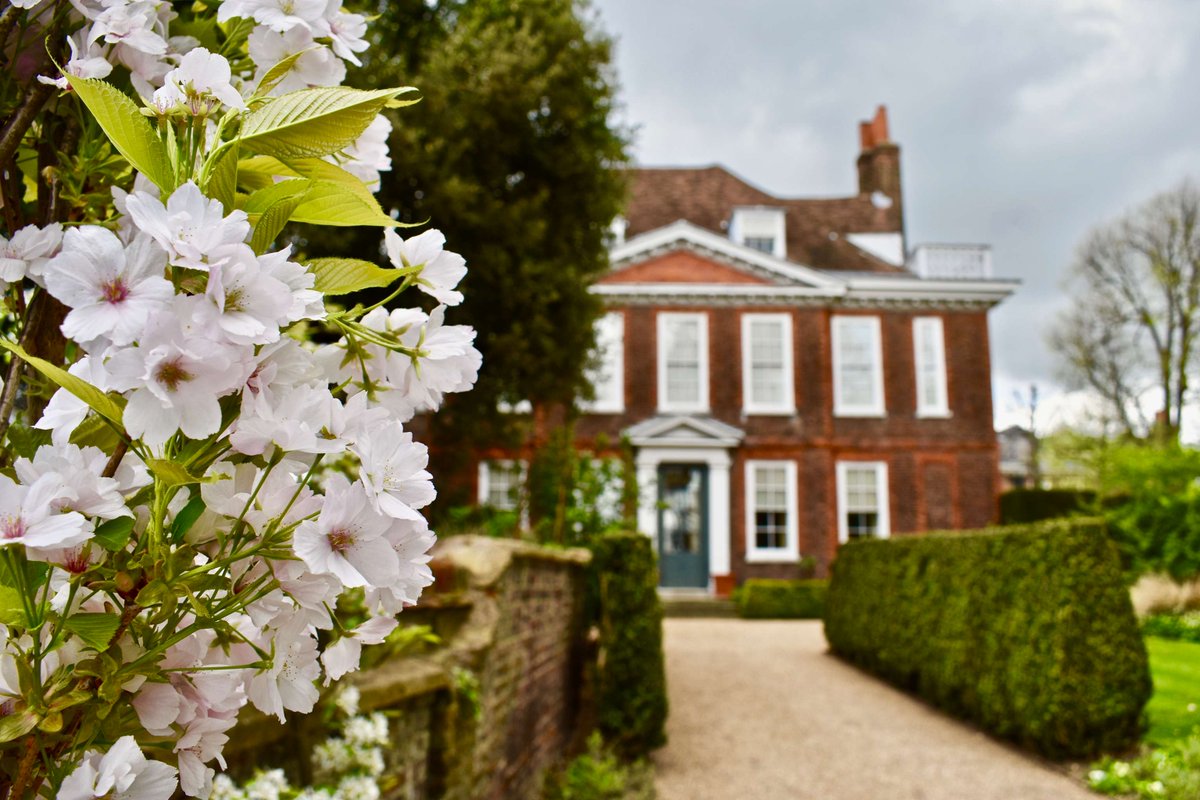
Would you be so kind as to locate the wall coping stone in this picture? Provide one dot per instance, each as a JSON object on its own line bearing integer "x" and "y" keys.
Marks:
{"x": 486, "y": 559}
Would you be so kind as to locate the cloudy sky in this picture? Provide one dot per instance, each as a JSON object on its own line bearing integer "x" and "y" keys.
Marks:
{"x": 1022, "y": 124}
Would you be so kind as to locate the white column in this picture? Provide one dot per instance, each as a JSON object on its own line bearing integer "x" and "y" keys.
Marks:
{"x": 647, "y": 478}
{"x": 719, "y": 535}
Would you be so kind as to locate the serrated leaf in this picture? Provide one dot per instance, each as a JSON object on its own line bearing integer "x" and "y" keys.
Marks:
{"x": 186, "y": 518}
{"x": 14, "y": 726}
{"x": 263, "y": 199}
{"x": 127, "y": 129}
{"x": 97, "y": 400}
{"x": 96, "y": 630}
{"x": 278, "y": 72}
{"x": 24, "y": 441}
{"x": 272, "y": 221}
{"x": 345, "y": 275}
{"x": 313, "y": 122}
{"x": 114, "y": 534}
{"x": 170, "y": 473}
{"x": 336, "y": 204}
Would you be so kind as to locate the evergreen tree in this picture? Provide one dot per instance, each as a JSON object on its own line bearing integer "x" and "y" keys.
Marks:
{"x": 514, "y": 154}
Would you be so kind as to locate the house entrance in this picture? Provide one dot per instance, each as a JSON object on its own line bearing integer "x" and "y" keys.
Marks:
{"x": 683, "y": 525}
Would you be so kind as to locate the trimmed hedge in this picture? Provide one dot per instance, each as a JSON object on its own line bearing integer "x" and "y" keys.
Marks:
{"x": 1027, "y": 631}
{"x": 762, "y": 598}
{"x": 631, "y": 701}
{"x": 1034, "y": 505}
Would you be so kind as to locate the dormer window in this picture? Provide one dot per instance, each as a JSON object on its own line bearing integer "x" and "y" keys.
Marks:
{"x": 761, "y": 228}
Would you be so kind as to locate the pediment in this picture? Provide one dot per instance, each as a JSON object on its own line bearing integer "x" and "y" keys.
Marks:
{"x": 684, "y": 431}
{"x": 683, "y": 253}
{"x": 683, "y": 266}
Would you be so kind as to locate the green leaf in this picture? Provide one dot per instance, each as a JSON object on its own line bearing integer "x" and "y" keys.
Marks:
{"x": 320, "y": 203}
{"x": 114, "y": 534}
{"x": 12, "y": 610}
{"x": 329, "y": 203}
{"x": 272, "y": 221}
{"x": 96, "y": 630}
{"x": 222, "y": 182}
{"x": 263, "y": 199}
{"x": 170, "y": 473}
{"x": 313, "y": 122}
{"x": 345, "y": 275}
{"x": 24, "y": 440}
{"x": 278, "y": 72}
{"x": 186, "y": 518}
{"x": 109, "y": 408}
{"x": 127, "y": 129}
{"x": 14, "y": 726}
{"x": 96, "y": 432}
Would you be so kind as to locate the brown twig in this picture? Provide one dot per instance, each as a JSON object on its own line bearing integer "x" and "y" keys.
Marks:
{"x": 114, "y": 461}
{"x": 25, "y": 769}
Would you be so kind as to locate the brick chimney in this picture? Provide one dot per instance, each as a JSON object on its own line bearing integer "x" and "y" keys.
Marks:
{"x": 879, "y": 161}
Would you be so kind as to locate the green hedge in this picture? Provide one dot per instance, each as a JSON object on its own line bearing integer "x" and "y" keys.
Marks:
{"x": 761, "y": 598}
{"x": 1027, "y": 631}
{"x": 1034, "y": 505}
{"x": 631, "y": 700}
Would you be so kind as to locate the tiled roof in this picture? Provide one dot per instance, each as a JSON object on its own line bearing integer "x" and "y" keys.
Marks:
{"x": 706, "y": 196}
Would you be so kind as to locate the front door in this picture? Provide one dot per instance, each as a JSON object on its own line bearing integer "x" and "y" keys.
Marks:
{"x": 683, "y": 525}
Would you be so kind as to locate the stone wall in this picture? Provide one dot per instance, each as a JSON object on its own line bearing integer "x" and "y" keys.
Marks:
{"x": 483, "y": 716}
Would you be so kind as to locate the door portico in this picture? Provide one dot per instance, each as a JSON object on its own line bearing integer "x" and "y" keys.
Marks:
{"x": 676, "y": 442}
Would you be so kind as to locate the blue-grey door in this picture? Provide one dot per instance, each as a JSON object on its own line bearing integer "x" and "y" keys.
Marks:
{"x": 683, "y": 525}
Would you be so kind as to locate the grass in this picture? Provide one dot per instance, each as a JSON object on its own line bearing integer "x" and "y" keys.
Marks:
{"x": 1175, "y": 666}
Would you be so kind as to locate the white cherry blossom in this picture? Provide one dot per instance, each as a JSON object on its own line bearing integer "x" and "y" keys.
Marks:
{"x": 28, "y": 515}
{"x": 393, "y": 470}
{"x": 26, "y": 253}
{"x": 123, "y": 773}
{"x": 111, "y": 289}
{"x": 189, "y": 226}
{"x": 347, "y": 539}
{"x": 317, "y": 66}
{"x": 278, "y": 15}
{"x": 343, "y": 656}
{"x": 441, "y": 270}
{"x": 199, "y": 83}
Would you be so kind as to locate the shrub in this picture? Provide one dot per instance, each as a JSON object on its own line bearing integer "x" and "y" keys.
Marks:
{"x": 1034, "y": 505}
{"x": 599, "y": 775}
{"x": 631, "y": 708}
{"x": 781, "y": 599}
{"x": 1027, "y": 631}
{"x": 1185, "y": 627}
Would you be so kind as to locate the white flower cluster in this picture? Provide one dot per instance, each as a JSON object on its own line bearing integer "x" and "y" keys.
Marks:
{"x": 181, "y": 332}
{"x": 348, "y": 766}
{"x": 176, "y": 72}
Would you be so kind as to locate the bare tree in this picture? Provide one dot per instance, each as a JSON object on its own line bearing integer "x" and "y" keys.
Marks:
{"x": 1134, "y": 319}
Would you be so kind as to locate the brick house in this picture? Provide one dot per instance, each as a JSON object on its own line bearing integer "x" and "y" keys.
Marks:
{"x": 790, "y": 375}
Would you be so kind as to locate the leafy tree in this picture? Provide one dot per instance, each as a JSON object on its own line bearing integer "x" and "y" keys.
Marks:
{"x": 1135, "y": 317}
{"x": 514, "y": 152}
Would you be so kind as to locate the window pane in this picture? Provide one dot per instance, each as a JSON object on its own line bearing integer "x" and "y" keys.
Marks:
{"x": 861, "y": 525}
{"x": 764, "y": 244}
{"x": 858, "y": 366}
{"x": 608, "y": 379}
{"x": 683, "y": 360}
{"x": 931, "y": 365}
{"x": 771, "y": 506}
{"x": 504, "y": 484}
{"x": 862, "y": 489}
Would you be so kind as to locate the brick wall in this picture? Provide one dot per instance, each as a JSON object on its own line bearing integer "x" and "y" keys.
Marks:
{"x": 511, "y": 616}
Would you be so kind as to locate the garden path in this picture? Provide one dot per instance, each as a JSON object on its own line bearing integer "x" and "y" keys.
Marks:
{"x": 760, "y": 711}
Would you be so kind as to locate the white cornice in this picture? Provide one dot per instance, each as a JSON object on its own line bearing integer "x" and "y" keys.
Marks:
{"x": 897, "y": 292}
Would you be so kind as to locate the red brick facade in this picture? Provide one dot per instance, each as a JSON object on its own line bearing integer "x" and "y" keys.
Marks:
{"x": 703, "y": 241}
{"x": 942, "y": 472}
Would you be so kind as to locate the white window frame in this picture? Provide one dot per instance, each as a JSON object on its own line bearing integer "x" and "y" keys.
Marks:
{"x": 700, "y": 405}
{"x": 483, "y": 492}
{"x": 931, "y": 326}
{"x": 612, "y": 366}
{"x": 791, "y": 550}
{"x": 841, "y": 408}
{"x": 882, "y": 497}
{"x": 760, "y": 222}
{"x": 787, "y": 405}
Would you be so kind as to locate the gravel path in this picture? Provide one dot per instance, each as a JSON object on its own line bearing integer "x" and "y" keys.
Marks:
{"x": 760, "y": 711}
